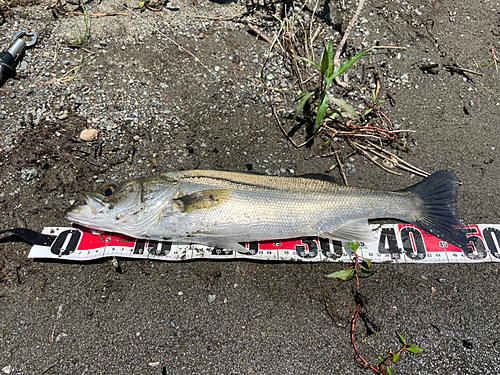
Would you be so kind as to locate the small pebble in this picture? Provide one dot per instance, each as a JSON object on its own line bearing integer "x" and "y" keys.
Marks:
{"x": 63, "y": 116}
{"x": 88, "y": 135}
{"x": 349, "y": 169}
{"x": 211, "y": 298}
{"x": 7, "y": 369}
{"x": 28, "y": 174}
{"x": 433, "y": 291}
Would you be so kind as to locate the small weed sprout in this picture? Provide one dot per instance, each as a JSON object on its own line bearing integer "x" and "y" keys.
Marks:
{"x": 495, "y": 61}
{"x": 82, "y": 35}
{"x": 328, "y": 74}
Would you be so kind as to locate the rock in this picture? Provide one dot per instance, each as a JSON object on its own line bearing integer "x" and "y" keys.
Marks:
{"x": 211, "y": 298}
{"x": 63, "y": 116}
{"x": 349, "y": 169}
{"x": 28, "y": 174}
{"x": 88, "y": 135}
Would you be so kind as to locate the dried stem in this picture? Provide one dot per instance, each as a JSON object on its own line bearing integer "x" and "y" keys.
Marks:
{"x": 336, "y": 59}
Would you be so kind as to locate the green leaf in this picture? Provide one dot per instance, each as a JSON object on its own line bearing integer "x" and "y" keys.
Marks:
{"x": 487, "y": 65}
{"x": 335, "y": 113}
{"x": 328, "y": 81}
{"x": 347, "y": 107}
{"x": 331, "y": 58}
{"x": 343, "y": 68}
{"x": 354, "y": 246}
{"x": 324, "y": 62}
{"x": 320, "y": 115}
{"x": 401, "y": 337}
{"x": 342, "y": 275}
{"x": 374, "y": 97}
{"x": 415, "y": 349}
{"x": 381, "y": 359}
{"x": 304, "y": 97}
{"x": 370, "y": 271}
{"x": 367, "y": 111}
{"x": 315, "y": 64}
{"x": 388, "y": 371}
{"x": 368, "y": 262}
{"x": 396, "y": 357}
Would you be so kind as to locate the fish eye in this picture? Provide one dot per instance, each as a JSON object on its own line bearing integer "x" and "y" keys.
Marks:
{"x": 109, "y": 190}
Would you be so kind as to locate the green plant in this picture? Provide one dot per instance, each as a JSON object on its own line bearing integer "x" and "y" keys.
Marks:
{"x": 366, "y": 267}
{"x": 327, "y": 74}
{"x": 495, "y": 61}
{"x": 394, "y": 357}
{"x": 82, "y": 35}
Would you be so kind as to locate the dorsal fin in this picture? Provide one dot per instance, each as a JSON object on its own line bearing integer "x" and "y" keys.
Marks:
{"x": 319, "y": 176}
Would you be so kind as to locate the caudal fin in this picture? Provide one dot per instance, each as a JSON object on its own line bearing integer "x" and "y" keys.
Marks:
{"x": 440, "y": 217}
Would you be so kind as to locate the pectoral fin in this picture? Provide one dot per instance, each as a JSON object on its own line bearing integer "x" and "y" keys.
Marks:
{"x": 230, "y": 245}
{"x": 202, "y": 200}
{"x": 352, "y": 231}
{"x": 221, "y": 238}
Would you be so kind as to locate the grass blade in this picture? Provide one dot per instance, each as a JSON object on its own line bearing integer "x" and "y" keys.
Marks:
{"x": 324, "y": 62}
{"x": 343, "y": 104}
{"x": 343, "y": 68}
{"x": 315, "y": 64}
{"x": 304, "y": 97}
{"x": 320, "y": 116}
{"x": 331, "y": 66}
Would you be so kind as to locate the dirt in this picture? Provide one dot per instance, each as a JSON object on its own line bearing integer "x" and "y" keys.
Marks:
{"x": 156, "y": 108}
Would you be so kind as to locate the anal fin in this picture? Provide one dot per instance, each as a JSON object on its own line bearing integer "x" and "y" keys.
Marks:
{"x": 352, "y": 231}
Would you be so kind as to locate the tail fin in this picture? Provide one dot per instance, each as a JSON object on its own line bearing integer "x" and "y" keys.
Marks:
{"x": 440, "y": 217}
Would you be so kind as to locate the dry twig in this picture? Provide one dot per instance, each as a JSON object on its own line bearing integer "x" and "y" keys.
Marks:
{"x": 344, "y": 177}
{"x": 462, "y": 70}
{"x": 336, "y": 59}
{"x": 98, "y": 14}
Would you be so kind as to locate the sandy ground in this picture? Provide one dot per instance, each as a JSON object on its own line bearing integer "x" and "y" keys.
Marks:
{"x": 158, "y": 109}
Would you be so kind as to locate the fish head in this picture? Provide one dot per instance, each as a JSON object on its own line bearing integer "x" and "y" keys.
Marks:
{"x": 127, "y": 208}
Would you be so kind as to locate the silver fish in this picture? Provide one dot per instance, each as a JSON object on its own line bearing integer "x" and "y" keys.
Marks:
{"x": 221, "y": 209}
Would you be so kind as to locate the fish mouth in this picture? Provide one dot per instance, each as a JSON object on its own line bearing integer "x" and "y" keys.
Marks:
{"x": 86, "y": 206}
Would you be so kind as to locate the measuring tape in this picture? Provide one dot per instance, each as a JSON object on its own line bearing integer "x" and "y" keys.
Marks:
{"x": 396, "y": 243}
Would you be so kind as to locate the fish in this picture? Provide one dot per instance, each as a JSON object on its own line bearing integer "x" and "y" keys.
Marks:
{"x": 226, "y": 209}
